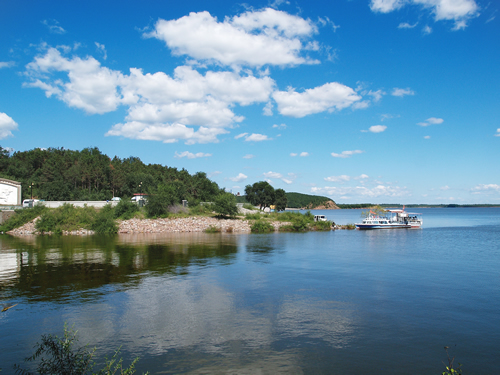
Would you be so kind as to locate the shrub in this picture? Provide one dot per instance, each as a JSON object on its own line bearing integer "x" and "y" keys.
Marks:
{"x": 201, "y": 209}
{"x": 58, "y": 355}
{"x": 21, "y": 217}
{"x": 321, "y": 226}
{"x": 125, "y": 209}
{"x": 160, "y": 201}
{"x": 225, "y": 205}
{"x": 177, "y": 209}
{"x": 66, "y": 218}
{"x": 255, "y": 216}
{"x": 104, "y": 222}
{"x": 261, "y": 226}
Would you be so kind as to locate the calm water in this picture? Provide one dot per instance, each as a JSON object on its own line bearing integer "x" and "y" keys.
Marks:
{"x": 343, "y": 302}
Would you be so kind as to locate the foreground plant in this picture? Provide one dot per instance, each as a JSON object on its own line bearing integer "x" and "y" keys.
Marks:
{"x": 450, "y": 370}
{"x": 57, "y": 356}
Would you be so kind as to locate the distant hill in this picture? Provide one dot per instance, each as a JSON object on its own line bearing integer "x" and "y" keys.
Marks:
{"x": 299, "y": 200}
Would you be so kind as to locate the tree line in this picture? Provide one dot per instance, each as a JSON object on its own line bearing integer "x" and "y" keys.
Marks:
{"x": 60, "y": 174}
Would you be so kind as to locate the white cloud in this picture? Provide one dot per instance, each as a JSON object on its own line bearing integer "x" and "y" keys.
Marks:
{"x": 248, "y": 156}
{"x": 362, "y": 191}
{"x": 90, "y": 87}
{"x": 102, "y": 49}
{"x": 459, "y": 11}
{"x": 159, "y": 106}
{"x": 427, "y": 30}
{"x": 362, "y": 177}
{"x": 7, "y": 64}
{"x": 377, "y": 128}
{"x": 304, "y": 154}
{"x": 376, "y": 95}
{"x": 485, "y": 188}
{"x": 255, "y": 38}
{"x": 257, "y": 138}
{"x": 406, "y": 25}
{"x": 293, "y": 154}
{"x": 281, "y": 126}
{"x": 444, "y": 188}
{"x": 346, "y": 154}
{"x": 190, "y": 155}
{"x": 329, "y": 97}
{"x": 497, "y": 133}
{"x": 240, "y": 135}
{"x": 215, "y": 173}
{"x": 239, "y": 178}
{"x": 341, "y": 178}
{"x": 7, "y": 125}
{"x": 427, "y": 137}
{"x": 54, "y": 27}
{"x": 402, "y": 92}
{"x": 272, "y": 175}
{"x": 431, "y": 121}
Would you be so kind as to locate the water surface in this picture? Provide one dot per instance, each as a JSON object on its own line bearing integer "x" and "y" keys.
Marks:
{"x": 379, "y": 302}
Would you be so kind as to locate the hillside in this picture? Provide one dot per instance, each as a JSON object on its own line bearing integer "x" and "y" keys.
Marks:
{"x": 299, "y": 200}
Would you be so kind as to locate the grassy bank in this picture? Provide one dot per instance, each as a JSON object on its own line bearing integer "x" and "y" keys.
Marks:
{"x": 68, "y": 219}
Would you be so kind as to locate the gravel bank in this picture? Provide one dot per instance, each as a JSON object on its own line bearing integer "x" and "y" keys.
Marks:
{"x": 178, "y": 225}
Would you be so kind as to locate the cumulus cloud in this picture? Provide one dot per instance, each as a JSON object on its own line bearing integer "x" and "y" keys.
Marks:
{"x": 257, "y": 138}
{"x": 346, "y": 154}
{"x": 402, "y": 92}
{"x": 7, "y": 125}
{"x": 272, "y": 175}
{"x": 497, "y": 134}
{"x": 328, "y": 97}
{"x": 254, "y": 38}
{"x": 304, "y": 154}
{"x": 239, "y": 178}
{"x": 281, "y": 126}
{"x": 459, "y": 11}
{"x": 187, "y": 106}
{"x": 431, "y": 121}
{"x": 190, "y": 155}
{"x": 248, "y": 156}
{"x": 375, "y": 129}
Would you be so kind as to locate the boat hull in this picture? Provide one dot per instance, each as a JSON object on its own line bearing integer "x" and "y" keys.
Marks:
{"x": 386, "y": 226}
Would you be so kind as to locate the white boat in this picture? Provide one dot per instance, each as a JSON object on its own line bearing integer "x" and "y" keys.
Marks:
{"x": 396, "y": 218}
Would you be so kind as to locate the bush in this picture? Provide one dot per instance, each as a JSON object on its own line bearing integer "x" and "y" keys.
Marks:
{"x": 201, "y": 209}
{"x": 225, "y": 205}
{"x": 321, "y": 226}
{"x": 160, "y": 201}
{"x": 261, "y": 226}
{"x": 255, "y": 216}
{"x": 66, "y": 218}
{"x": 104, "y": 222}
{"x": 248, "y": 206}
{"x": 125, "y": 209}
{"x": 21, "y": 217}
{"x": 58, "y": 355}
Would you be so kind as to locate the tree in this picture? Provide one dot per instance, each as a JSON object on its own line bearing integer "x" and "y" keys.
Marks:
{"x": 260, "y": 194}
{"x": 280, "y": 200}
{"x": 225, "y": 205}
{"x": 160, "y": 201}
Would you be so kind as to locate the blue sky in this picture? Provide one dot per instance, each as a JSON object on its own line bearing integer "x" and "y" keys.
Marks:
{"x": 382, "y": 101}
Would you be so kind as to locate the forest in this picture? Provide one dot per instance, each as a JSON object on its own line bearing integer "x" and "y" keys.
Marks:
{"x": 57, "y": 174}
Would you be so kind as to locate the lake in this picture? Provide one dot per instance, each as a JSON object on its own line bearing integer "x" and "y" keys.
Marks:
{"x": 339, "y": 302}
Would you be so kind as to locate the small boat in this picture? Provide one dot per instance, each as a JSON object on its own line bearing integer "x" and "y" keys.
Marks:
{"x": 396, "y": 218}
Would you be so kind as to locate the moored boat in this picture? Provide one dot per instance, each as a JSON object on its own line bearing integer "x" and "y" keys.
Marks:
{"x": 395, "y": 218}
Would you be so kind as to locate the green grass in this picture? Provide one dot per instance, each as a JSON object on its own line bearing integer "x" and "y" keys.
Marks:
{"x": 261, "y": 226}
{"x": 22, "y": 217}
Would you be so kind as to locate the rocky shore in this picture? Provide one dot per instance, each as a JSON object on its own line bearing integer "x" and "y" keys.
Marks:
{"x": 177, "y": 225}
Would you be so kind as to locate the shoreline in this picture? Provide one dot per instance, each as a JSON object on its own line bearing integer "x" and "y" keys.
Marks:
{"x": 166, "y": 225}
